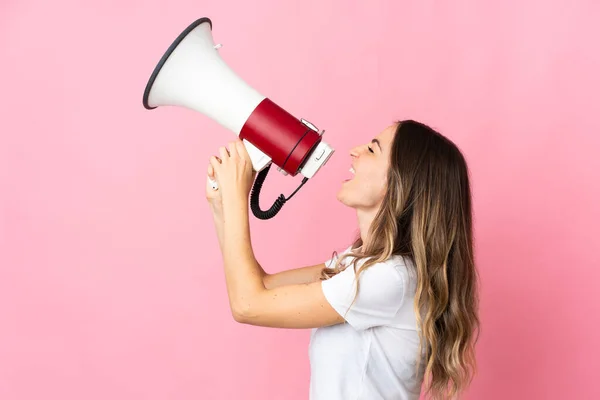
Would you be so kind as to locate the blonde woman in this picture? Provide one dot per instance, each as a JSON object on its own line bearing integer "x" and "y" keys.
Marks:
{"x": 399, "y": 307}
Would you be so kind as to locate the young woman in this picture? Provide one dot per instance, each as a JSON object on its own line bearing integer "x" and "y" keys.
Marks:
{"x": 399, "y": 307}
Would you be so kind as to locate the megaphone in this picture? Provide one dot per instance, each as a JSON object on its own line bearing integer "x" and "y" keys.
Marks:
{"x": 192, "y": 74}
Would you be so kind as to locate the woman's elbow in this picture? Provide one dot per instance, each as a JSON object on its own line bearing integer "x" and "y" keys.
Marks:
{"x": 242, "y": 313}
{"x": 238, "y": 316}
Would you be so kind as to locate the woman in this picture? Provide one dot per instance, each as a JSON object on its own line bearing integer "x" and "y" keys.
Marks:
{"x": 399, "y": 307}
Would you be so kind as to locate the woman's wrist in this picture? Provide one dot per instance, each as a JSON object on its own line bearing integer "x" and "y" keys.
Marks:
{"x": 217, "y": 211}
{"x": 218, "y": 222}
{"x": 236, "y": 203}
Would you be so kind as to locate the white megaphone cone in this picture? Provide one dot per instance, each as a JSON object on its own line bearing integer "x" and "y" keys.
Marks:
{"x": 193, "y": 75}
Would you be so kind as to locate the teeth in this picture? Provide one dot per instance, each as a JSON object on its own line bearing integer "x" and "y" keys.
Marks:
{"x": 352, "y": 170}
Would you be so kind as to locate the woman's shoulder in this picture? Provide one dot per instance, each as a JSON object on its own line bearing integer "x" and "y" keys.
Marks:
{"x": 396, "y": 266}
{"x": 348, "y": 252}
{"x": 396, "y": 262}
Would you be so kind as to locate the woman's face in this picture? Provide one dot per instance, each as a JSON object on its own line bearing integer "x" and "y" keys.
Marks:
{"x": 369, "y": 167}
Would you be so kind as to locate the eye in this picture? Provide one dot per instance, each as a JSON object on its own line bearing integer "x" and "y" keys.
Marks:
{"x": 370, "y": 149}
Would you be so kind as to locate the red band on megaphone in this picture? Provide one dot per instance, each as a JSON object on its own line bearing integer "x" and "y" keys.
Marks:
{"x": 279, "y": 135}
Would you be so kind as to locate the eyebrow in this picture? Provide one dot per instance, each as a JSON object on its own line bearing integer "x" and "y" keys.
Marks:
{"x": 378, "y": 144}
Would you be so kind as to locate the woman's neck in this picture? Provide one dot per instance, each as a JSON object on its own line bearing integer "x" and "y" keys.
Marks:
{"x": 365, "y": 219}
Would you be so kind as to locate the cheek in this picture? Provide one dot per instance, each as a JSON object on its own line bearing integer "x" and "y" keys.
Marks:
{"x": 380, "y": 183}
{"x": 374, "y": 185}
{"x": 377, "y": 179}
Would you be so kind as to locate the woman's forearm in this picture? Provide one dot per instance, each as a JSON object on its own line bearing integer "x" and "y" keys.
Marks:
{"x": 218, "y": 222}
{"x": 243, "y": 274}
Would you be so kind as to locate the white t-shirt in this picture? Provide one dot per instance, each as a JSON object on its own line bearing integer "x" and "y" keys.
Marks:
{"x": 373, "y": 355}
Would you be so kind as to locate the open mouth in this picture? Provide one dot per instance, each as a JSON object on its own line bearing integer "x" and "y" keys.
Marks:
{"x": 352, "y": 172}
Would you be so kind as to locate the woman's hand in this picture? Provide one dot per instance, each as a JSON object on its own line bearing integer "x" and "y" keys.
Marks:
{"x": 213, "y": 197}
{"x": 233, "y": 172}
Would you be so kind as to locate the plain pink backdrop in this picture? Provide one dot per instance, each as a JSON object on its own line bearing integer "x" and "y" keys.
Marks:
{"x": 110, "y": 278}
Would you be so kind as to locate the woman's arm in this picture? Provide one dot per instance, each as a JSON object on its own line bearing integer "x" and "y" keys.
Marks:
{"x": 251, "y": 301}
{"x": 294, "y": 276}
{"x": 218, "y": 222}
{"x": 292, "y": 306}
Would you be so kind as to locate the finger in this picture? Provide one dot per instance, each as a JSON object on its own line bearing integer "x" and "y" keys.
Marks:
{"x": 242, "y": 150}
{"x": 233, "y": 151}
{"x": 211, "y": 181}
{"x": 224, "y": 153}
{"x": 243, "y": 153}
{"x": 215, "y": 163}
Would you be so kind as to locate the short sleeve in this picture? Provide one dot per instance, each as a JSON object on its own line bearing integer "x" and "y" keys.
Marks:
{"x": 380, "y": 294}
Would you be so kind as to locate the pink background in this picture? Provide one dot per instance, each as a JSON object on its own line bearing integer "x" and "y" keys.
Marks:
{"x": 110, "y": 278}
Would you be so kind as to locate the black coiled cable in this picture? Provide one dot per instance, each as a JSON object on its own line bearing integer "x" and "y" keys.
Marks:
{"x": 279, "y": 202}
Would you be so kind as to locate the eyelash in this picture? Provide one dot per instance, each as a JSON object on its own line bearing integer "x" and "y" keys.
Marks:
{"x": 370, "y": 149}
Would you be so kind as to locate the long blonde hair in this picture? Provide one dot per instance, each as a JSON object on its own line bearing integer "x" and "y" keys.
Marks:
{"x": 426, "y": 216}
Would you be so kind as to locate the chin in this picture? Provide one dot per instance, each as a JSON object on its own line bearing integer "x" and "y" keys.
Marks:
{"x": 358, "y": 198}
{"x": 344, "y": 197}
{"x": 340, "y": 194}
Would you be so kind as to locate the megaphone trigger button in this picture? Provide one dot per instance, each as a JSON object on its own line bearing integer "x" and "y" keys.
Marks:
{"x": 320, "y": 154}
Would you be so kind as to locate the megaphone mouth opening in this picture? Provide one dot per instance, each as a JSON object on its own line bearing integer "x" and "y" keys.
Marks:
{"x": 166, "y": 56}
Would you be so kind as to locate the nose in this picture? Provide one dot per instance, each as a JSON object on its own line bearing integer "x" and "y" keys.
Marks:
{"x": 356, "y": 151}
